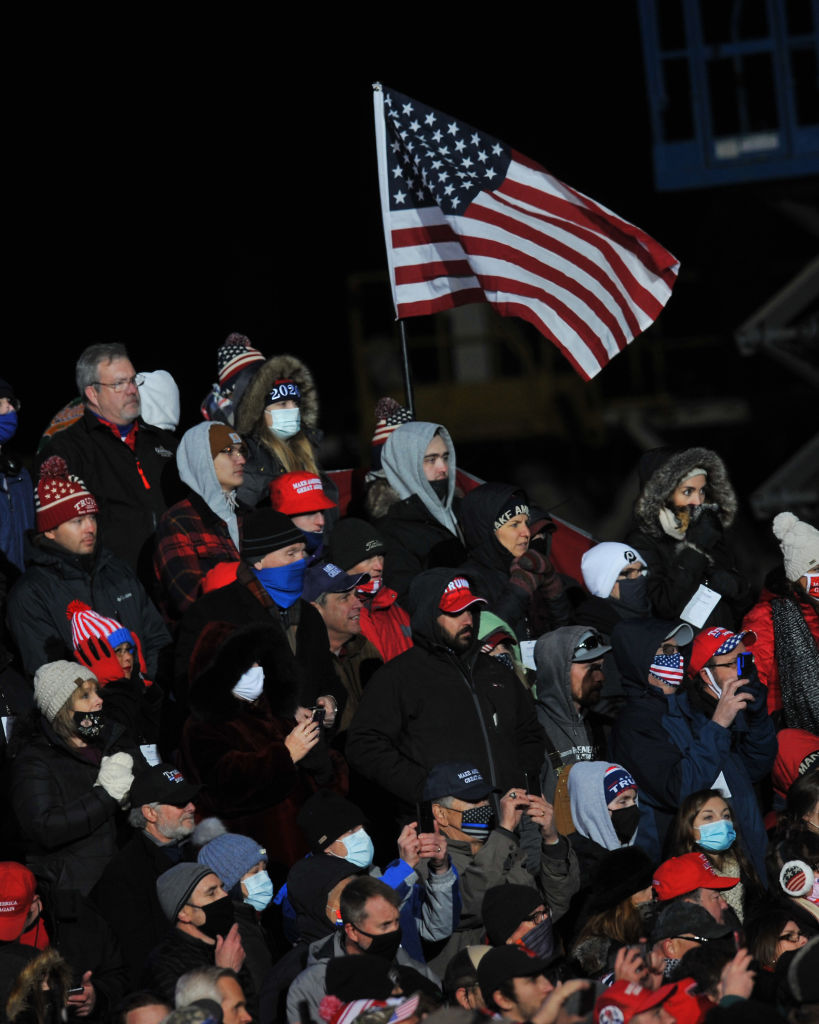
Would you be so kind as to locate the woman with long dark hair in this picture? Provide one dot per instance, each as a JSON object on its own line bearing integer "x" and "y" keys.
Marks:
{"x": 705, "y": 824}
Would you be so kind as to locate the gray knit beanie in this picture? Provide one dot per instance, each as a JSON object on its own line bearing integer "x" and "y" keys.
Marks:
{"x": 174, "y": 886}
{"x": 800, "y": 545}
{"x": 231, "y": 856}
{"x": 55, "y": 683}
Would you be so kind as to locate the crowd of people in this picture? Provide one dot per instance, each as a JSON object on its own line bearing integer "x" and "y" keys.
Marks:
{"x": 291, "y": 747}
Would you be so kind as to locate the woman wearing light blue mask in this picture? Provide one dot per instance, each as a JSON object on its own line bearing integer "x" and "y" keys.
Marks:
{"x": 704, "y": 824}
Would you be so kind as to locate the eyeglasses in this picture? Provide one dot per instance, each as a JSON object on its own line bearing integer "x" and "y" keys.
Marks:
{"x": 669, "y": 649}
{"x": 537, "y": 916}
{"x": 791, "y": 936}
{"x": 691, "y": 938}
{"x": 591, "y": 643}
{"x": 631, "y": 574}
{"x": 120, "y": 385}
{"x": 233, "y": 450}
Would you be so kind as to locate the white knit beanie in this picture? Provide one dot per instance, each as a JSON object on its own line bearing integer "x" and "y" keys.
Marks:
{"x": 800, "y": 545}
{"x": 602, "y": 564}
{"x": 55, "y": 683}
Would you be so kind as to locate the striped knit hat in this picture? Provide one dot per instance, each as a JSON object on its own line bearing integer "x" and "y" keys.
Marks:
{"x": 389, "y": 415}
{"x": 234, "y": 355}
{"x": 60, "y": 496}
{"x": 85, "y": 623}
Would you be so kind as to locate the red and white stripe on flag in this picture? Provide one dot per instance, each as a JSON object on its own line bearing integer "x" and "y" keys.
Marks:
{"x": 530, "y": 246}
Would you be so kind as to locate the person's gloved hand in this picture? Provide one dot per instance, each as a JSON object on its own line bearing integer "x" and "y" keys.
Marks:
{"x": 705, "y": 531}
{"x": 95, "y": 653}
{"x": 116, "y": 775}
{"x": 528, "y": 571}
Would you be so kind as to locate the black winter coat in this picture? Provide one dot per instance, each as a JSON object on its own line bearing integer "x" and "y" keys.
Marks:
{"x": 430, "y": 705}
{"x": 54, "y": 578}
{"x": 68, "y": 824}
{"x": 415, "y": 541}
{"x": 179, "y": 953}
{"x": 132, "y": 489}
{"x": 126, "y": 897}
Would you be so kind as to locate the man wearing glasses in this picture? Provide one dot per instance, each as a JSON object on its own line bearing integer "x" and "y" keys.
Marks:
{"x": 127, "y": 465}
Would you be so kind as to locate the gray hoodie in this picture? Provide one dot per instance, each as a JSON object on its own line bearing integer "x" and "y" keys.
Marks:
{"x": 590, "y": 812}
{"x": 196, "y": 469}
{"x": 568, "y": 738}
{"x": 403, "y": 463}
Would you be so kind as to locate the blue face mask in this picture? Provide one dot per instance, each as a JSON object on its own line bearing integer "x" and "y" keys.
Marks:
{"x": 284, "y": 583}
{"x": 360, "y": 851}
{"x": 313, "y": 541}
{"x": 259, "y": 890}
{"x": 716, "y": 835}
{"x": 8, "y": 426}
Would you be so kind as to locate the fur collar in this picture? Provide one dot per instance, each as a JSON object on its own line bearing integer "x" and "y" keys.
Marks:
{"x": 661, "y": 470}
{"x": 254, "y": 399}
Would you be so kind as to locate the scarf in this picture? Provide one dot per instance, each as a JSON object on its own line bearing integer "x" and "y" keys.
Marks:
{"x": 797, "y": 658}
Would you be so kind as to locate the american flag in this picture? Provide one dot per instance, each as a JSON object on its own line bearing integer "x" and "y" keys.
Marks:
{"x": 668, "y": 667}
{"x": 468, "y": 219}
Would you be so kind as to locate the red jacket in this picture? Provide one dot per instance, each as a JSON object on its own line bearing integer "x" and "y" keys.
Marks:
{"x": 760, "y": 620}
{"x": 385, "y": 624}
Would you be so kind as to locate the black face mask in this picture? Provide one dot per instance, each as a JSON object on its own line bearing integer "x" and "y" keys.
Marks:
{"x": 219, "y": 918}
{"x": 634, "y": 595}
{"x": 625, "y": 821}
{"x": 385, "y": 945}
{"x": 88, "y": 724}
{"x": 441, "y": 488}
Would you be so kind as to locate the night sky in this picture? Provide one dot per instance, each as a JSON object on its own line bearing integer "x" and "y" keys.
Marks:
{"x": 171, "y": 181}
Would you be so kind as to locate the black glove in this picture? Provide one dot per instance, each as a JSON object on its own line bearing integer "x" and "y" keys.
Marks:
{"x": 705, "y": 531}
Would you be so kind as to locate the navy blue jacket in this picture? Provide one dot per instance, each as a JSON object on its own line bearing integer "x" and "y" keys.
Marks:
{"x": 673, "y": 748}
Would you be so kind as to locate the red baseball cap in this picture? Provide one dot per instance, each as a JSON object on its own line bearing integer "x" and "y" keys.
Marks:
{"x": 17, "y": 888}
{"x": 294, "y": 494}
{"x": 625, "y": 999}
{"x": 458, "y": 597}
{"x": 716, "y": 640}
{"x": 680, "y": 875}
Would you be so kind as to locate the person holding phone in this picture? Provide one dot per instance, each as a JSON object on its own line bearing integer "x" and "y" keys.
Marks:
{"x": 707, "y": 728}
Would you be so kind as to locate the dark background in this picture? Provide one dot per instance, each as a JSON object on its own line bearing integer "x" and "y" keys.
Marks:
{"x": 171, "y": 181}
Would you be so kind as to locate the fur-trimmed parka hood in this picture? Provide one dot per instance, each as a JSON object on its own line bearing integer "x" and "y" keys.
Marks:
{"x": 254, "y": 400}
{"x": 267, "y": 646}
{"x": 662, "y": 469}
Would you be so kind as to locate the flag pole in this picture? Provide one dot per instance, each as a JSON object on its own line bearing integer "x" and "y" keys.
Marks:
{"x": 408, "y": 390}
{"x": 383, "y": 191}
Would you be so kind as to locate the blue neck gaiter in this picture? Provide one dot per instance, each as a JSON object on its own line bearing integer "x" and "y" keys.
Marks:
{"x": 8, "y": 426}
{"x": 284, "y": 583}
{"x": 313, "y": 541}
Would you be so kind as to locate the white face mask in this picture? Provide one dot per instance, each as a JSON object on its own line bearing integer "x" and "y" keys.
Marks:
{"x": 284, "y": 422}
{"x": 250, "y": 685}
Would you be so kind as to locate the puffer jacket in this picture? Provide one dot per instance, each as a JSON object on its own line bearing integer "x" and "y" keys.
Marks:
{"x": 68, "y": 823}
{"x": 54, "y": 578}
{"x": 431, "y": 705}
{"x": 676, "y": 566}
{"x": 673, "y": 748}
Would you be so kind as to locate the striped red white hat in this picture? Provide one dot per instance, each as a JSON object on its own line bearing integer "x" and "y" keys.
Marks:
{"x": 86, "y": 623}
{"x": 60, "y": 496}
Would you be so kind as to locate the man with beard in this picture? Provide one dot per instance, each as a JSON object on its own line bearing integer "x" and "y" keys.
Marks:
{"x": 444, "y": 700}
{"x": 569, "y": 664}
{"x": 162, "y": 813}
